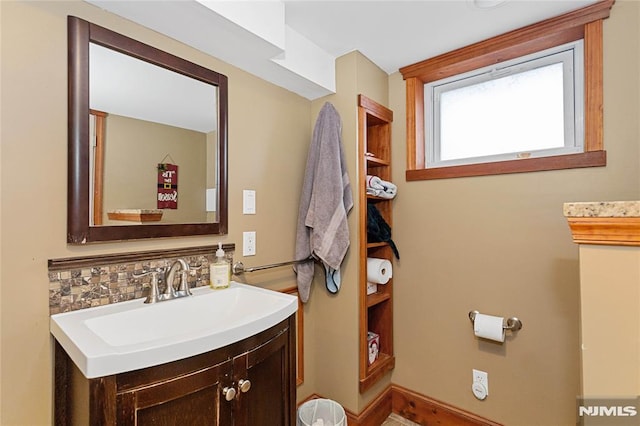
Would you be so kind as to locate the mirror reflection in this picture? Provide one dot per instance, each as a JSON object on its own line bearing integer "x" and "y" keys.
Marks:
{"x": 153, "y": 142}
{"x": 147, "y": 141}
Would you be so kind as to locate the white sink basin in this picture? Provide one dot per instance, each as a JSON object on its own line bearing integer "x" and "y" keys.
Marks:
{"x": 130, "y": 335}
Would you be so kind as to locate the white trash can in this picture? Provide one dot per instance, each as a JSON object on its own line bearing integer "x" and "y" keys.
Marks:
{"x": 321, "y": 412}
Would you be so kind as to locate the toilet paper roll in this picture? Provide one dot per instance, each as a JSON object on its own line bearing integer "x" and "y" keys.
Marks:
{"x": 379, "y": 271}
{"x": 488, "y": 327}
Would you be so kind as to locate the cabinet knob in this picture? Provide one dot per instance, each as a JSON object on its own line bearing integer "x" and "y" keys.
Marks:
{"x": 229, "y": 393}
{"x": 244, "y": 386}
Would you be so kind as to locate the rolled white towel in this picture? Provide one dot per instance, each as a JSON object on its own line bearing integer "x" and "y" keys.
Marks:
{"x": 374, "y": 182}
{"x": 389, "y": 188}
{"x": 383, "y": 194}
{"x": 380, "y": 188}
{"x": 376, "y": 192}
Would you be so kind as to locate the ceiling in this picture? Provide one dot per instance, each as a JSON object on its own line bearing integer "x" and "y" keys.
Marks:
{"x": 394, "y": 34}
{"x": 294, "y": 43}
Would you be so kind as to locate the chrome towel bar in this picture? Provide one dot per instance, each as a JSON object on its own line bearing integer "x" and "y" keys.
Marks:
{"x": 513, "y": 323}
{"x": 239, "y": 268}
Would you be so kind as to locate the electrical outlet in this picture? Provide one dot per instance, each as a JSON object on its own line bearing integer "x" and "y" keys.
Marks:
{"x": 249, "y": 243}
{"x": 481, "y": 377}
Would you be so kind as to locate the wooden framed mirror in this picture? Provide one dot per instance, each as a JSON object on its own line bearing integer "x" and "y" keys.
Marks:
{"x": 119, "y": 147}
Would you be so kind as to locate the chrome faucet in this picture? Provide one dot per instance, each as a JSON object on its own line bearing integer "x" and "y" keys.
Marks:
{"x": 170, "y": 292}
{"x": 168, "y": 278}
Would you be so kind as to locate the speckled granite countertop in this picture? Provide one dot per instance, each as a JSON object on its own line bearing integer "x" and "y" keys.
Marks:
{"x": 602, "y": 209}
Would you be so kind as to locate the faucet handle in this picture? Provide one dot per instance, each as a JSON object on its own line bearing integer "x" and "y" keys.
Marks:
{"x": 159, "y": 269}
{"x": 145, "y": 273}
{"x": 154, "y": 293}
{"x": 193, "y": 269}
{"x": 153, "y": 296}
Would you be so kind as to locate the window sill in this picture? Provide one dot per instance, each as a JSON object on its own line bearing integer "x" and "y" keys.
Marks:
{"x": 559, "y": 162}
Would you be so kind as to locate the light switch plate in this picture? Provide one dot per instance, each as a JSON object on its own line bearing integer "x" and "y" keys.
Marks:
{"x": 211, "y": 199}
{"x": 248, "y": 201}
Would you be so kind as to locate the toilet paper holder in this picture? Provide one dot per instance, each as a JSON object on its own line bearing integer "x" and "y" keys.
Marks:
{"x": 513, "y": 323}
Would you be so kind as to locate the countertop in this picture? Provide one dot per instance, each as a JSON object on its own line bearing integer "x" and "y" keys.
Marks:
{"x": 602, "y": 209}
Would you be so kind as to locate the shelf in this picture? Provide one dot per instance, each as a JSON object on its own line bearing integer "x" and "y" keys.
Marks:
{"x": 375, "y": 310}
{"x": 375, "y": 160}
{"x": 381, "y": 362}
{"x": 135, "y": 215}
{"x": 377, "y": 370}
{"x": 376, "y": 245}
{"x": 377, "y": 298}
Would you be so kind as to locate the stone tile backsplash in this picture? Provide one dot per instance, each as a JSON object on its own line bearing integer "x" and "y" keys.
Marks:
{"x": 97, "y": 285}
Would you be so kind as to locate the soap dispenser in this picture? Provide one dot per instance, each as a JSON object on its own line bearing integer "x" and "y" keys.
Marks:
{"x": 220, "y": 271}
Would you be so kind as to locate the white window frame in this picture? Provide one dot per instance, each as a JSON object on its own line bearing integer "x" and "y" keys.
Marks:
{"x": 571, "y": 55}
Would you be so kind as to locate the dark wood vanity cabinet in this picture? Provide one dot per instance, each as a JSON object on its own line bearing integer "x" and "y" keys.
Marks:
{"x": 265, "y": 402}
{"x": 251, "y": 382}
{"x": 189, "y": 399}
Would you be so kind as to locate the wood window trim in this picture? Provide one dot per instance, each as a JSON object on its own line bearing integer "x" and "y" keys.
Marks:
{"x": 98, "y": 171}
{"x": 585, "y": 23}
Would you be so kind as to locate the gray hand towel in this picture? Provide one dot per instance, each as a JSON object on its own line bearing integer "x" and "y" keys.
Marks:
{"x": 325, "y": 201}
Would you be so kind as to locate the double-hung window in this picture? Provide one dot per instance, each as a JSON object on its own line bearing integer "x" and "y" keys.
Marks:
{"x": 524, "y": 101}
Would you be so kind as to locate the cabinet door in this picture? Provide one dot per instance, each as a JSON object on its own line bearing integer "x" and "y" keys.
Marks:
{"x": 191, "y": 399}
{"x": 266, "y": 386}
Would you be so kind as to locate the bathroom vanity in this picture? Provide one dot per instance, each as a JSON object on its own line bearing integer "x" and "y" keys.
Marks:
{"x": 132, "y": 363}
{"x": 251, "y": 382}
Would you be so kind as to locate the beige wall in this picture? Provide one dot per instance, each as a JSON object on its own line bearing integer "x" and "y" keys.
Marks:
{"x": 269, "y": 132}
{"x": 334, "y": 318}
{"x": 133, "y": 150}
{"x": 331, "y": 321}
{"x": 501, "y": 245}
{"x": 498, "y": 244}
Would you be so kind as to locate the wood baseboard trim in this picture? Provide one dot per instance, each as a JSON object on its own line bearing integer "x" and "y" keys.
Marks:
{"x": 375, "y": 413}
{"x": 412, "y": 406}
{"x": 428, "y": 411}
{"x": 309, "y": 398}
